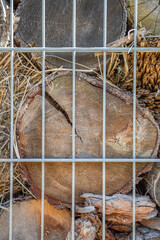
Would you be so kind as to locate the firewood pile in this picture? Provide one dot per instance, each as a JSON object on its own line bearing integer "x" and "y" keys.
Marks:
{"x": 27, "y": 177}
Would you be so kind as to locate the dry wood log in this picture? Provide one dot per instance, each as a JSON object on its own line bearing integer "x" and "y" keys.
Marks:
{"x": 153, "y": 183}
{"x": 27, "y": 222}
{"x": 153, "y": 223}
{"x": 84, "y": 230}
{"x": 88, "y": 137}
{"x": 119, "y": 207}
{"x": 148, "y": 14}
{"x": 89, "y": 26}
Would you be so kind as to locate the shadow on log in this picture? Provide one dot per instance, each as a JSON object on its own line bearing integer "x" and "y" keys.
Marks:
{"x": 59, "y": 20}
{"x": 88, "y": 137}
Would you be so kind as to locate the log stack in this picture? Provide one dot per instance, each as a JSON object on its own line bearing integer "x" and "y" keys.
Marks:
{"x": 88, "y": 130}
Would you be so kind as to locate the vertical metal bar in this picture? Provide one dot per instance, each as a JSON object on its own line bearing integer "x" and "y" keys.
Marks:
{"x": 73, "y": 115}
{"x": 134, "y": 121}
{"x": 12, "y": 121}
{"x": 104, "y": 112}
{"x": 43, "y": 119}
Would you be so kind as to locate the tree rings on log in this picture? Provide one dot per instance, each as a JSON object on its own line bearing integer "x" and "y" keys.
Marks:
{"x": 148, "y": 14}
{"x": 27, "y": 222}
{"x": 88, "y": 137}
{"x": 89, "y": 27}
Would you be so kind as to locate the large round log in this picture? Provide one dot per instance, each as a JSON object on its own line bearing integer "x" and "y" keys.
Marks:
{"x": 88, "y": 137}
{"x": 148, "y": 14}
{"x": 27, "y": 222}
{"x": 58, "y": 30}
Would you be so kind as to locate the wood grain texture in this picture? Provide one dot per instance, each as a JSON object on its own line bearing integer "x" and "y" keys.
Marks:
{"x": 89, "y": 27}
{"x": 88, "y": 137}
{"x": 148, "y": 14}
{"x": 27, "y": 222}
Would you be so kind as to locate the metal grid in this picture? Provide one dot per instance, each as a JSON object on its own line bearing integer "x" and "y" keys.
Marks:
{"x": 74, "y": 49}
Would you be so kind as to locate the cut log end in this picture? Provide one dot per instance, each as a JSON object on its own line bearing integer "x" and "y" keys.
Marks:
{"x": 148, "y": 14}
{"x": 27, "y": 222}
{"x": 89, "y": 28}
{"x": 88, "y": 137}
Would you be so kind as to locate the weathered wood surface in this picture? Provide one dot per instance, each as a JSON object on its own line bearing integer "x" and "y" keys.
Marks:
{"x": 89, "y": 27}
{"x": 88, "y": 137}
{"x": 84, "y": 230}
{"x": 27, "y": 222}
{"x": 153, "y": 183}
{"x": 143, "y": 233}
{"x": 148, "y": 14}
{"x": 119, "y": 208}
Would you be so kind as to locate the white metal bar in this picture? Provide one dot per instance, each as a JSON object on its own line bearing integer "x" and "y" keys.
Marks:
{"x": 12, "y": 122}
{"x": 104, "y": 114}
{"x": 134, "y": 120}
{"x": 122, "y": 160}
{"x": 11, "y": 150}
{"x": 80, "y": 49}
{"x": 43, "y": 119}
{"x": 73, "y": 114}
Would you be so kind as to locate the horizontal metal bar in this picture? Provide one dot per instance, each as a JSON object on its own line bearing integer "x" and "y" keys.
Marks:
{"x": 81, "y": 160}
{"x": 79, "y": 49}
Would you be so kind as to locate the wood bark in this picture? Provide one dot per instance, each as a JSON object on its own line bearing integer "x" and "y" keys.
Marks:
{"x": 89, "y": 27}
{"x": 143, "y": 233}
{"x": 88, "y": 137}
{"x": 119, "y": 207}
{"x": 84, "y": 230}
{"x": 153, "y": 223}
{"x": 27, "y": 222}
{"x": 148, "y": 14}
{"x": 153, "y": 183}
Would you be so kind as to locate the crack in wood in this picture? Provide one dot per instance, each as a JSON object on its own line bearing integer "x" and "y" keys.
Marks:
{"x": 57, "y": 106}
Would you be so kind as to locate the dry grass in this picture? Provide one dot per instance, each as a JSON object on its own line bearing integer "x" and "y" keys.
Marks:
{"x": 27, "y": 73}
